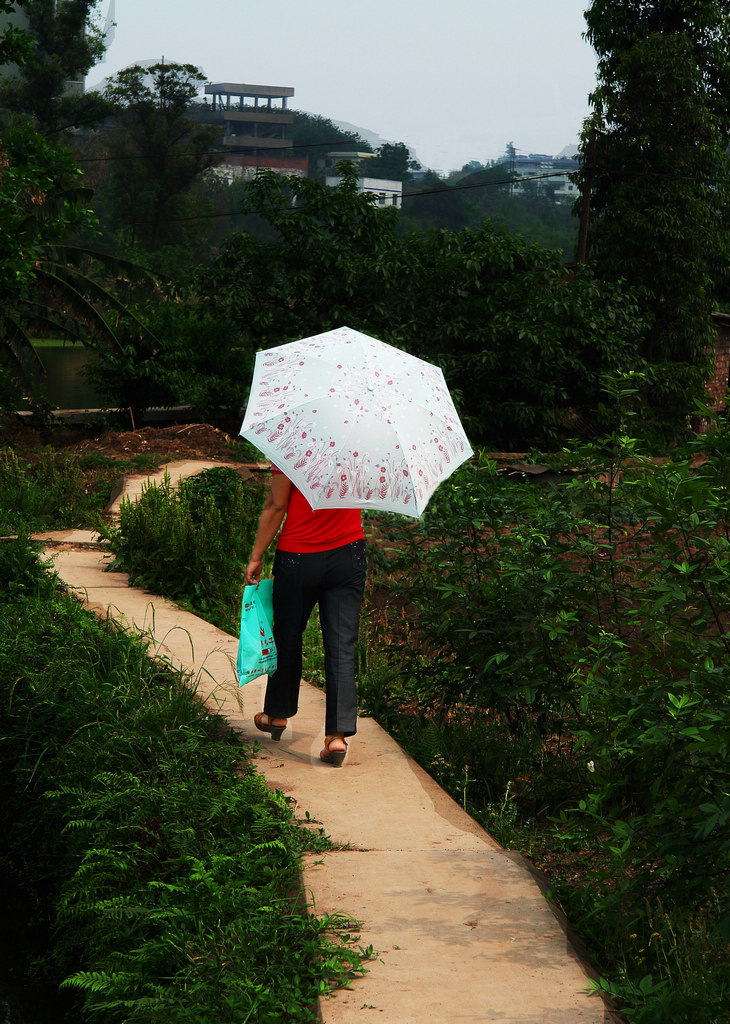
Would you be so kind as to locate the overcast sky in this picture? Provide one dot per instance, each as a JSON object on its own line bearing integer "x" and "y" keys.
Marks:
{"x": 456, "y": 80}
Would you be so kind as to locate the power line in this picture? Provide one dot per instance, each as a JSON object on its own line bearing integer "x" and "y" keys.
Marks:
{"x": 416, "y": 194}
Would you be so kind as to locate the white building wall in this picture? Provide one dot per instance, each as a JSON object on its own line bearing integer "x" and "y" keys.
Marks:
{"x": 389, "y": 193}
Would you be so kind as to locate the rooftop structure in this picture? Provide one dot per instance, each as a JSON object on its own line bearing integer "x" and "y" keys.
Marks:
{"x": 223, "y": 92}
{"x": 254, "y": 116}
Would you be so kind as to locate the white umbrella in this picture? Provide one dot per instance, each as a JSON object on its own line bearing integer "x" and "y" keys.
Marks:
{"x": 355, "y": 423}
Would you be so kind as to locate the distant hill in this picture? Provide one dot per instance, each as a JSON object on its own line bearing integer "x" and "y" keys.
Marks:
{"x": 371, "y": 137}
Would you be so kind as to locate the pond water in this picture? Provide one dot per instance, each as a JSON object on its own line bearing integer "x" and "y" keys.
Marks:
{"x": 66, "y": 385}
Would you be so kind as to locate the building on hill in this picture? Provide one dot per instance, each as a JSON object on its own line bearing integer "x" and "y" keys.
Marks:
{"x": 250, "y": 120}
{"x": 546, "y": 175}
{"x": 254, "y": 122}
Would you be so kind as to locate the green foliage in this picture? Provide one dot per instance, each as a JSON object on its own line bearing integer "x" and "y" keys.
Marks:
{"x": 431, "y": 205}
{"x": 163, "y": 869}
{"x": 313, "y": 135}
{"x": 38, "y": 209}
{"x": 187, "y": 355}
{"x": 53, "y": 51}
{"x": 192, "y": 543}
{"x": 52, "y": 491}
{"x": 392, "y": 161}
{"x": 327, "y": 262}
{"x": 14, "y": 43}
{"x": 48, "y": 284}
{"x": 521, "y": 341}
{"x": 656, "y": 157}
{"x": 20, "y": 571}
{"x": 158, "y": 152}
{"x": 579, "y": 634}
{"x": 533, "y": 216}
{"x": 555, "y": 656}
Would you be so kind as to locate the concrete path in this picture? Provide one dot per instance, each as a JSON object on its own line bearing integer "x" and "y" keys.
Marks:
{"x": 461, "y": 928}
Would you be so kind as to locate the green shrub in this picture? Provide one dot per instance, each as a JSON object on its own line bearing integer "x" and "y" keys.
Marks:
{"x": 580, "y": 631}
{"x": 192, "y": 543}
{"x": 165, "y": 871}
{"x": 56, "y": 490}
{"x": 190, "y": 356}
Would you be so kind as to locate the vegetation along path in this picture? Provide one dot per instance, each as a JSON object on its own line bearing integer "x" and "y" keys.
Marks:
{"x": 461, "y": 927}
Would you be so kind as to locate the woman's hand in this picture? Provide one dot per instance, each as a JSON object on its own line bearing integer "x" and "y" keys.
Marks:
{"x": 253, "y": 572}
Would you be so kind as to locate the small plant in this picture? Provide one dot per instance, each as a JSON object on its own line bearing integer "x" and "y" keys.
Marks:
{"x": 44, "y": 489}
{"x": 192, "y": 543}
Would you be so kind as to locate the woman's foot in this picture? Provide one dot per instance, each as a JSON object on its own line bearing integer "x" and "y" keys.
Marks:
{"x": 265, "y": 723}
{"x": 334, "y": 750}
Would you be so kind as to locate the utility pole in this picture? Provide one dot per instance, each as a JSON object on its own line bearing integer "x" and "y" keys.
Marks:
{"x": 585, "y": 205}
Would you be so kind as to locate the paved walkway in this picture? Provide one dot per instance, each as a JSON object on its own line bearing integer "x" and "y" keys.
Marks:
{"x": 461, "y": 927}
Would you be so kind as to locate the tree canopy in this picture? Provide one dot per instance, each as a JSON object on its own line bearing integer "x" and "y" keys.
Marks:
{"x": 522, "y": 342}
{"x": 655, "y": 153}
{"x": 393, "y": 161}
{"x": 157, "y": 151}
{"x": 57, "y": 49}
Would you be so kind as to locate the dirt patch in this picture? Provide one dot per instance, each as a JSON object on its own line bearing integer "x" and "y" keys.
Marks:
{"x": 191, "y": 440}
{"x": 181, "y": 440}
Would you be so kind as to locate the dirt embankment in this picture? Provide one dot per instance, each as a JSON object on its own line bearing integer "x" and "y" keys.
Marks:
{"x": 180, "y": 441}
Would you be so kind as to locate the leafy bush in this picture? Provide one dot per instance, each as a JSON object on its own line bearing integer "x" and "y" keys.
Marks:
{"x": 192, "y": 543}
{"x": 513, "y": 331}
{"x": 580, "y": 631}
{"x": 50, "y": 492}
{"x": 165, "y": 871}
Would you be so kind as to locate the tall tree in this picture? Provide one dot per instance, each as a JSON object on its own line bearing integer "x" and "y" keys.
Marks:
{"x": 56, "y": 43}
{"x": 656, "y": 154}
{"x": 50, "y": 285}
{"x": 13, "y": 41}
{"x": 157, "y": 152}
{"x": 393, "y": 160}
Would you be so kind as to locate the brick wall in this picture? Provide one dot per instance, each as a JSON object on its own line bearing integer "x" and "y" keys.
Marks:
{"x": 718, "y": 386}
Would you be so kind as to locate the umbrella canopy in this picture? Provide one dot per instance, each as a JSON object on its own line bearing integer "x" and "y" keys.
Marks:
{"x": 355, "y": 423}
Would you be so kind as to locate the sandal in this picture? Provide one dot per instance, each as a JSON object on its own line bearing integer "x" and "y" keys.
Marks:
{"x": 263, "y": 723}
{"x": 333, "y": 757}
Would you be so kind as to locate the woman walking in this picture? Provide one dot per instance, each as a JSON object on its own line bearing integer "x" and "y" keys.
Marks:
{"x": 320, "y": 560}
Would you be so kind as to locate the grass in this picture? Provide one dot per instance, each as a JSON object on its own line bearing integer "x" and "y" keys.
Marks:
{"x": 43, "y": 489}
{"x": 160, "y": 874}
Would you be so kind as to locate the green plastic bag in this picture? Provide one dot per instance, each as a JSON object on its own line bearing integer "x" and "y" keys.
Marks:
{"x": 256, "y": 647}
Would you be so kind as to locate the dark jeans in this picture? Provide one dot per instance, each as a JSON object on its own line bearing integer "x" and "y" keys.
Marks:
{"x": 336, "y": 581}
